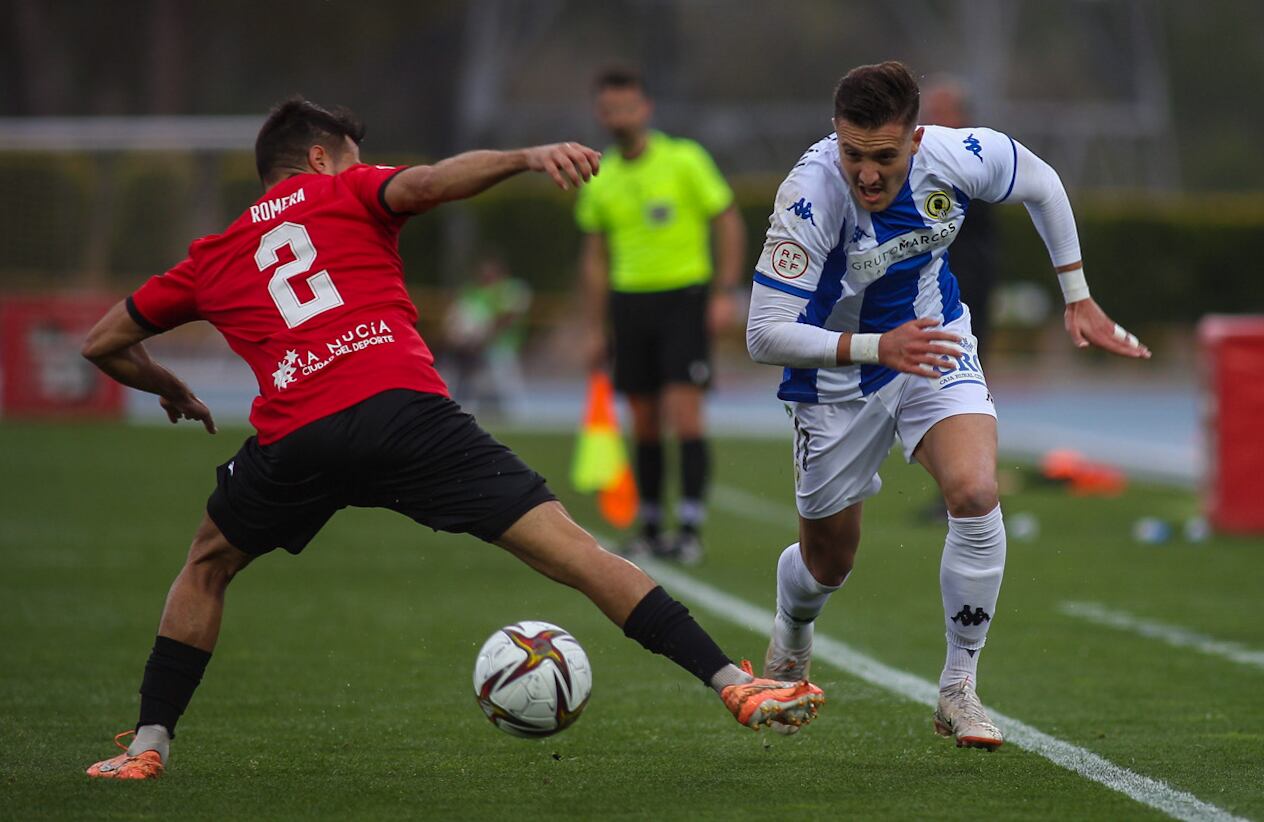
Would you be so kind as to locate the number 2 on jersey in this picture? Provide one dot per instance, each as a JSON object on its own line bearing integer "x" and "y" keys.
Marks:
{"x": 294, "y": 311}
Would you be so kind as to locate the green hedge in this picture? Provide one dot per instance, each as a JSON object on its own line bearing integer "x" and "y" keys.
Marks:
{"x": 1149, "y": 260}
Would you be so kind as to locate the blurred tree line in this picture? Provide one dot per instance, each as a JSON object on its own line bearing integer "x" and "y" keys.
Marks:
{"x": 400, "y": 63}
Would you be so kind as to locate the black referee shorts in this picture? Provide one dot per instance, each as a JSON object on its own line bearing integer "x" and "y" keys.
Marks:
{"x": 660, "y": 338}
{"x": 415, "y": 453}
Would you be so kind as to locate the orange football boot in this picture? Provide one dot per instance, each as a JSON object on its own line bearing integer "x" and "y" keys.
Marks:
{"x": 145, "y": 765}
{"x": 760, "y": 702}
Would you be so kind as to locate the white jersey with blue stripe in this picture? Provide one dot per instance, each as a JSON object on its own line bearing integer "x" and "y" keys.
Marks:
{"x": 869, "y": 272}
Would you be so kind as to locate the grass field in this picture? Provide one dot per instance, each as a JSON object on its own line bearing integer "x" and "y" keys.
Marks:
{"x": 341, "y": 688}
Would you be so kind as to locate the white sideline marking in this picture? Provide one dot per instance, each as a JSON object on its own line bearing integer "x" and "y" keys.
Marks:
{"x": 1146, "y": 790}
{"x": 745, "y": 504}
{"x": 1171, "y": 634}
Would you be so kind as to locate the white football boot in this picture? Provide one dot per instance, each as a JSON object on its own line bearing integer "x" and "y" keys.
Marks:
{"x": 786, "y": 665}
{"x": 961, "y": 715}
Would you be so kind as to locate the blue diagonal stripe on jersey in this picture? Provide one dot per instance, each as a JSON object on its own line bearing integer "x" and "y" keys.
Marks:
{"x": 889, "y": 300}
{"x": 949, "y": 292}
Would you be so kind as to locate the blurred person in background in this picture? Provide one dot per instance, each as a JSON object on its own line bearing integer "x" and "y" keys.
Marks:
{"x": 945, "y": 102}
{"x": 483, "y": 331}
{"x": 860, "y": 306}
{"x": 649, "y": 220}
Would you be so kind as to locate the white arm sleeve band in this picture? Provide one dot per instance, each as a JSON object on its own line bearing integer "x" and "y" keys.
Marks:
{"x": 1040, "y": 189}
{"x": 774, "y": 335}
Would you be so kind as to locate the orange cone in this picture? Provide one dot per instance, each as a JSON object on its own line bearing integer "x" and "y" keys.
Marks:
{"x": 601, "y": 462}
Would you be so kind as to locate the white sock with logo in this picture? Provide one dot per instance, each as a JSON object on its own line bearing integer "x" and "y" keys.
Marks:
{"x": 970, "y": 581}
{"x": 800, "y": 598}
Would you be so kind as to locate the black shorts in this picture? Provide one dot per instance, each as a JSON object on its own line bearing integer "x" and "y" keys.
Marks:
{"x": 660, "y": 338}
{"x": 418, "y": 454}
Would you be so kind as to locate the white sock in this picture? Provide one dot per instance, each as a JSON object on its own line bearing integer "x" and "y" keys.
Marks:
{"x": 962, "y": 665}
{"x": 729, "y": 675}
{"x": 970, "y": 581}
{"x": 800, "y": 598}
{"x": 151, "y": 738}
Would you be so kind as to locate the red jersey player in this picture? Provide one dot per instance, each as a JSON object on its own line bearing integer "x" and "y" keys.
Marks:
{"x": 307, "y": 287}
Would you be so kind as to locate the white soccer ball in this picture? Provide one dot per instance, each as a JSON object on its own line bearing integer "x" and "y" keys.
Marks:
{"x": 532, "y": 679}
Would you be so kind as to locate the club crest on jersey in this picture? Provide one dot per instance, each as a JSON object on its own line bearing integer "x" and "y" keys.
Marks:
{"x": 938, "y": 204}
{"x": 802, "y": 210}
{"x": 286, "y": 369}
{"x": 789, "y": 260}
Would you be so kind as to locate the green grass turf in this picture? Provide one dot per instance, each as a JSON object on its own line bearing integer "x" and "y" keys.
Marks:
{"x": 341, "y": 688}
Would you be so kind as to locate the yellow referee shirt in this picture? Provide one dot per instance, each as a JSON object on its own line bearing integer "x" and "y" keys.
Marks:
{"x": 656, "y": 213}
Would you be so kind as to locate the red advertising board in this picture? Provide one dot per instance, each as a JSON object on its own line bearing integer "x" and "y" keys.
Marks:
{"x": 44, "y": 375}
{"x": 1233, "y": 350}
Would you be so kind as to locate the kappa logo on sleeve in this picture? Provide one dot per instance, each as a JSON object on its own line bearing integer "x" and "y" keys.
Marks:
{"x": 803, "y": 210}
{"x": 974, "y": 147}
{"x": 789, "y": 260}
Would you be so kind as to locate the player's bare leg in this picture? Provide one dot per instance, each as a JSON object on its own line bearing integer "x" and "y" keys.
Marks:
{"x": 960, "y": 453}
{"x": 647, "y": 438}
{"x": 187, "y": 634}
{"x": 547, "y": 539}
{"x": 195, "y": 602}
{"x": 683, "y": 405}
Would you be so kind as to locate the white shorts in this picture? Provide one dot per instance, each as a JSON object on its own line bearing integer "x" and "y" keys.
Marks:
{"x": 838, "y": 447}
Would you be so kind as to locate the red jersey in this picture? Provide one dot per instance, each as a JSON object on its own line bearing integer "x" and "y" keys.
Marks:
{"x": 307, "y": 286}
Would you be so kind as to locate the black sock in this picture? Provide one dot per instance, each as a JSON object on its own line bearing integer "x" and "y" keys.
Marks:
{"x": 695, "y": 466}
{"x": 663, "y": 626}
{"x": 649, "y": 485}
{"x": 172, "y": 675}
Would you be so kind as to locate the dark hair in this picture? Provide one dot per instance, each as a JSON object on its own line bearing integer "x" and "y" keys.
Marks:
{"x": 618, "y": 77}
{"x": 872, "y": 96}
{"x": 296, "y": 124}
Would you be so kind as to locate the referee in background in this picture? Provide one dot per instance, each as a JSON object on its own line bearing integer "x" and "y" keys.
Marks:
{"x": 646, "y": 264}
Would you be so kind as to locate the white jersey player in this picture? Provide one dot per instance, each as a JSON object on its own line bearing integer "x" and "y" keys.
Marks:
{"x": 855, "y": 296}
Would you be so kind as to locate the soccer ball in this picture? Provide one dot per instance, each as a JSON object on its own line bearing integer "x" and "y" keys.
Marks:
{"x": 532, "y": 679}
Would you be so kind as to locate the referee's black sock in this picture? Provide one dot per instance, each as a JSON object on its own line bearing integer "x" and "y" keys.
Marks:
{"x": 695, "y": 469}
{"x": 664, "y": 626}
{"x": 172, "y": 675}
{"x": 649, "y": 485}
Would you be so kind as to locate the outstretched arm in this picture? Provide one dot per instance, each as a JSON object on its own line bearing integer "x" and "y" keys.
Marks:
{"x": 114, "y": 346}
{"x": 775, "y": 336}
{"x": 421, "y": 188}
{"x": 1040, "y": 189}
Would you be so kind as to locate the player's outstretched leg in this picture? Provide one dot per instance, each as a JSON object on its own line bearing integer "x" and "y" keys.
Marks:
{"x": 548, "y": 540}
{"x": 186, "y": 636}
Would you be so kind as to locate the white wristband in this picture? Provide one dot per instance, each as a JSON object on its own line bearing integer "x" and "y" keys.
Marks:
{"x": 864, "y": 348}
{"x": 1074, "y": 286}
